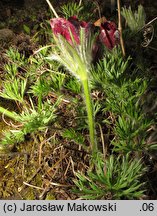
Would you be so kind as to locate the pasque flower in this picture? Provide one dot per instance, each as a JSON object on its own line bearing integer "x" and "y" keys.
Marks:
{"x": 70, "y": 30}
{"x": 109, "y": 35}
{"x": 74, "y": 51}
{"x": 76, "y": 48}
{"x": 61, "y": 26}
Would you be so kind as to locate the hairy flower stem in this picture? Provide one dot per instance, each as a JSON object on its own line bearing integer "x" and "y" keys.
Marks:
{"x": 8, "y": 113}
{"x": 91, "y": 125}
{"x": 120, "y": 28}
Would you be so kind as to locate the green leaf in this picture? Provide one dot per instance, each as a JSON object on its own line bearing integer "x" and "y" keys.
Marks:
{"x": 26, "y": 29}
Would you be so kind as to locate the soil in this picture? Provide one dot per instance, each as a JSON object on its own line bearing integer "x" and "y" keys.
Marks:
{"x": 36, "y": 169}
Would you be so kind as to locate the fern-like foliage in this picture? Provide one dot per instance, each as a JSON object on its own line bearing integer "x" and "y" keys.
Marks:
{"x": 32, "y": 120}
{"x": 79, "y": 10}
{"x": 118, "y": 178}
{"x": 73, "y": 85}
{"x": 123, "y": 98}
{"x": 131, "y": 133}
{"x": 73, "y": 135}
{"x": 112, "y": 69}
{"x": 71, "y": 9}
{"x": 12, "y": 137}
{"x": 14, "y": 90}
{"x": 135, "y": 20}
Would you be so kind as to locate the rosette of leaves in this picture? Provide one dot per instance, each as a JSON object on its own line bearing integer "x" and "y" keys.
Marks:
{"x": 116, "y": 178}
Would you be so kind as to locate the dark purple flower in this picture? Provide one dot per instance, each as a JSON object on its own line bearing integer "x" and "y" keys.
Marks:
{"x": 66, "y": 28}
{"x": 61, "y": 26}
{"x": 70, "y": 30}
{"x": 77, "y": 23}
{"x": 109, "y": 34}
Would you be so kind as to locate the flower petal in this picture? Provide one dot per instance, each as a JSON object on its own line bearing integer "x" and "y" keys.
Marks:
{"x": 61, "y": 26}
{"x": 109, "y": 35}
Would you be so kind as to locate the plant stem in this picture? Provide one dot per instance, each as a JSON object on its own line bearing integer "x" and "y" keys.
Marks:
{"x": 89, "y": 108}
{"x": 51, "y": 7}
{"x": 10, "y": 114}
{"x": 120, "y": 28}
{"x": 149, "y": 23}
{"x": 80, "y": 2}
